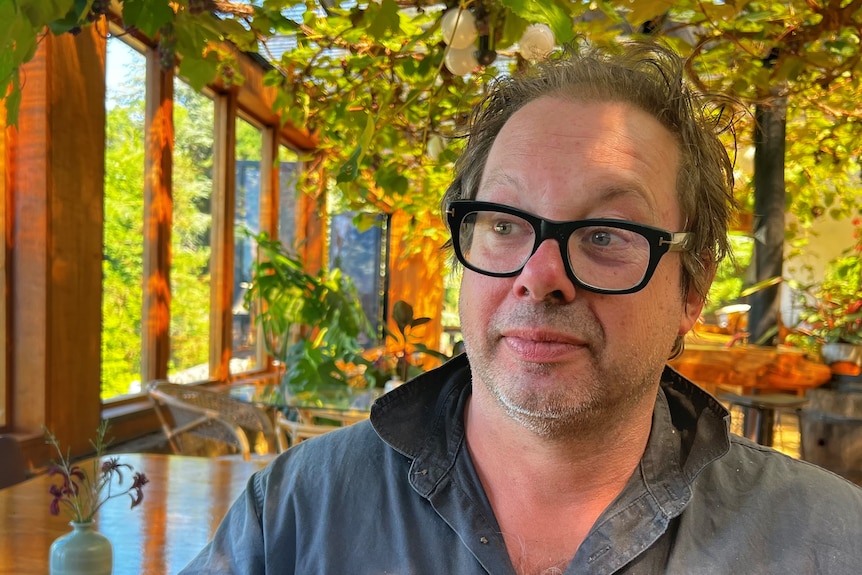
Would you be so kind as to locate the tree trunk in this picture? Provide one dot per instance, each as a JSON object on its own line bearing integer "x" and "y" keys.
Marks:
{"x": 769, "y": 209}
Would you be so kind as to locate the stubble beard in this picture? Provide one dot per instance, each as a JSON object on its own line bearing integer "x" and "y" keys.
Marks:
{"x": 586, "y": 404}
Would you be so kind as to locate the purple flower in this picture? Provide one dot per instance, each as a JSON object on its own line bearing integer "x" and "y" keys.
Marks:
{"x": 82, "y": 492}
{"x": 136, "y": 491}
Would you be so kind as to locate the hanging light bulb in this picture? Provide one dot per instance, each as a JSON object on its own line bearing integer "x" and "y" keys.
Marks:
{"x": 464, "y": 33}
{"x": 460, "y": 61}
{"x": 536, "y": 42}
{"x": 434, "y": 146}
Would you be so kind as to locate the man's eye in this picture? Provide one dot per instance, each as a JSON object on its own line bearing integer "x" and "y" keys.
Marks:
{"x": 503, "y": 228}
{"x": 601, "y": 238}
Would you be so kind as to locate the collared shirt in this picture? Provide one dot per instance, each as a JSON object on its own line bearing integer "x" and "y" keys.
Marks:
{"x": 399, "y": 495}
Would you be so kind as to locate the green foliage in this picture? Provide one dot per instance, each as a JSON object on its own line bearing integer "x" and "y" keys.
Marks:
{"x": 283, "y": 296}
{"x": 831, "y": 310}
{"x": 399, "y": 356}
{"x": 190, "y": 231}
{"x": 729, "y": 277}
{"x": 368, "y": 79}
{"x": 122, "y": 264}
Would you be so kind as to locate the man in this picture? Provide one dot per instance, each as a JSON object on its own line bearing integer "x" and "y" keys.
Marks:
{"x": 589, "y": 210}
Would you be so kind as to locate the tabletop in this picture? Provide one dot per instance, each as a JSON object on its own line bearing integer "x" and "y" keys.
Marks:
{"x": 184, "y": 502}
{"x": 344, "y": 406}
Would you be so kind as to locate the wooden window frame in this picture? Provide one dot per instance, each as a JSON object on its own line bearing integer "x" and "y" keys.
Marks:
{"x": 53, "y": 218}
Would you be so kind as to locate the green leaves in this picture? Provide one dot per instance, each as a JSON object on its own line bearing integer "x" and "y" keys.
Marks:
{"x": 148, "y": 16}
{"x": 61, "y": 16}
{"x": 41, "y": 12}
{"x": 553, "y": 13}
{"x": 284, "y": 297}
{"x": 368, "y": 78}
{"x": 349, "y": 171}
{"x": 18, "y": 38}
{"x": 382, "y": 19}
{"x": 402, "y": 315}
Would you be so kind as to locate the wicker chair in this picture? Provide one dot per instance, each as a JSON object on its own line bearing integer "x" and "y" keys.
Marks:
{"x": 292, "y": 432}
{"x": 190, "y": 414}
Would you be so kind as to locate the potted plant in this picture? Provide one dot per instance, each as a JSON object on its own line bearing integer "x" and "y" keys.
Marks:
{"x": 400, "y": 358}
{"x": 311, "y": 323}
{"x": 80, "y": 494}
{"x": 831, "y": 314}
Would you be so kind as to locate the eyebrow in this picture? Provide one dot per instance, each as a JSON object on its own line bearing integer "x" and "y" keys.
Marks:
{"x": 499, "y": 178}
{"x": 612, "y": 193}
{"x": 603, "y": 195}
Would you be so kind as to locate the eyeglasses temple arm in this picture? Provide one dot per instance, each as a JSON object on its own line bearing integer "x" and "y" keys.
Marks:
{"x": 679, "y": 242}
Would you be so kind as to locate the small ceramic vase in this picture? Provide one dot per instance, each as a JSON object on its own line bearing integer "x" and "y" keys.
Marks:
{"x": 83, "y": 551}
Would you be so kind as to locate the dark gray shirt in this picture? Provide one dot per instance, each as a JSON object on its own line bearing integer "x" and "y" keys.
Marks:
{"x": 399, "y": 495}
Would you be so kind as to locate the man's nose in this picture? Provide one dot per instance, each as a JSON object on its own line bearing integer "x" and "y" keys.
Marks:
{"x": 544, "y": 276}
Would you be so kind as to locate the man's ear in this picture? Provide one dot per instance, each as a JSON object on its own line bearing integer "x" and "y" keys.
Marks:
{"x": 694, "y": 303}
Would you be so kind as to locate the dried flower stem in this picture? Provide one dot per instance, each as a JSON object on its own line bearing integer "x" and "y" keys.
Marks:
{"x": 82, "y": 494}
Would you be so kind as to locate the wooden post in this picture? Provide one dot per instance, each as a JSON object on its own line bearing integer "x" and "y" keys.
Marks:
{"x": 222, "y": 240}
{"x": 57, "y": 180}
{"x": 158, "y": 211}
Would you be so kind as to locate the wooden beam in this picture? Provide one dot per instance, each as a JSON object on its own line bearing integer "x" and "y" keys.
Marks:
{"x": 56, "y": 267}
{"x": 158, "y": 212}
{"x": 6, "y": 134}
{"x": 269, "y": 182}
{"x": 222, "y": 238}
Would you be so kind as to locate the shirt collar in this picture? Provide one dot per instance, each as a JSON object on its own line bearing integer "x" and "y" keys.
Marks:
{"x": 423, "y": 419}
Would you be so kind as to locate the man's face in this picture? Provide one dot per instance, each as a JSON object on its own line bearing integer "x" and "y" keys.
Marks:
{"x": 554, "y": 356}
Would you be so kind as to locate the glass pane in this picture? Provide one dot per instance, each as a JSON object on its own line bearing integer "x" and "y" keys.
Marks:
{"x": 289, "y": 167}
{"x": 194, "y": 118}
{"x": 122, "y": 261}
{"x": 358, "y": 253}
{"x": 249, "y": 144}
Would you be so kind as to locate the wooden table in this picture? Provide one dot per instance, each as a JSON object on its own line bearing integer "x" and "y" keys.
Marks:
{"x": 184, "y": 502}
{"x": 747, "y": 369}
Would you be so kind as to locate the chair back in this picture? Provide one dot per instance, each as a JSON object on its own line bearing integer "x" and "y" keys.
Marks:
{"x": 187, "y": 412}
{"x": 13, "y": 469}
{"x": 292, "y": 432}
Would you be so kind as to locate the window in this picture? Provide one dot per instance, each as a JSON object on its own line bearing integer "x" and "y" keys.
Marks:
{"x": 289, "y": 168}
{"x": 125, "y": 226}
{"x": 122, "y": 264}
{"x": 358, "y": 249}
{"x": 192, "y": 185}
{"x": 249, "y": 145}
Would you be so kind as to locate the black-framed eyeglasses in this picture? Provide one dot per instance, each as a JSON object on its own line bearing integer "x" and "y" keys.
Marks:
{"x": 606, "y": 256}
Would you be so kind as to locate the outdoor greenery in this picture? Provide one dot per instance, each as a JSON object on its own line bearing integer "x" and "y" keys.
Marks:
{"x": 190, "y": 238}
{"x": 369, "y": 78}
{"x": 122, "y": 264}
{"x": 190, "y": 230}
{"x": 730, "y": 276}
